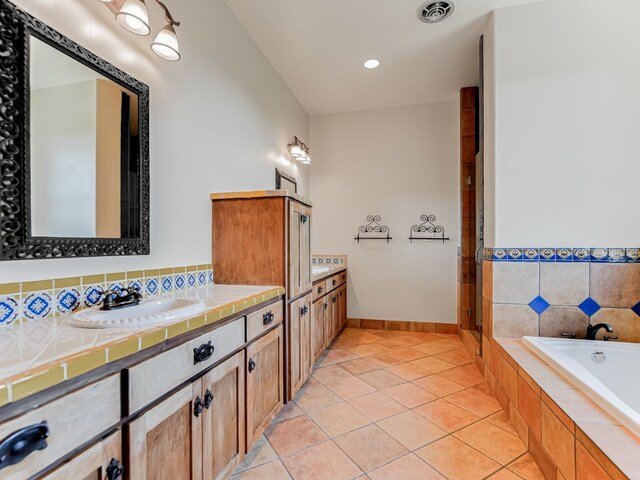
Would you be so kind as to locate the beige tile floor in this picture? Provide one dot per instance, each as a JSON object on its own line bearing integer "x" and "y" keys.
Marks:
{"x": 389, "y": 405}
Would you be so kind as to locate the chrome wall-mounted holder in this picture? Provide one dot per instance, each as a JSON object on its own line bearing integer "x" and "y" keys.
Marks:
{"x": 373, "y": 230}
{"x": 427, "y": 230}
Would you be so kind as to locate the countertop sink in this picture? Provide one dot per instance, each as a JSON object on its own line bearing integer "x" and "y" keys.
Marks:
{"x": 316, "y": 270}
{"x": 147, "y": 312}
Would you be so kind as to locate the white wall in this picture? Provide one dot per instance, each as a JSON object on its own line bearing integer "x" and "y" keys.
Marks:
{"x": 220, "y": 120}
{"x": 567, "y": 124}
{"x": 398, "y": 163}
{"x": 63, "y": 160}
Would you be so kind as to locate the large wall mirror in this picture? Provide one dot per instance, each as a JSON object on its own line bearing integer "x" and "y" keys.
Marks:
{"x": 74, "y": 148}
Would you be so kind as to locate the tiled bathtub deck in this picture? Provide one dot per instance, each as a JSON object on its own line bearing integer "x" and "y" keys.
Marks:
{"x": 391, "y": 405}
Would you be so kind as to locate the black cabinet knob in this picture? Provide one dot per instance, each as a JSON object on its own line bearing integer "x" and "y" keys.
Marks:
{"x": 267, "y": 318}
{"x": 198, "y": 407}
{"x": 203, "y": 352}
{"x": 114, "y": 470}
{"x": 208, "y": 399}
{"x": 320, "y": 289}
{"x": 252, "y": 365}
{"x": 335, "y": 282}
{"x": 22, "y": 443}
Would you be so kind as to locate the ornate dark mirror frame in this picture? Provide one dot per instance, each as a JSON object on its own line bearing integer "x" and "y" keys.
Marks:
{"x": 16, "y": 242}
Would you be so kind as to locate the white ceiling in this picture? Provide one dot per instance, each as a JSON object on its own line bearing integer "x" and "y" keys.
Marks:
{"x": 319, "y": 47}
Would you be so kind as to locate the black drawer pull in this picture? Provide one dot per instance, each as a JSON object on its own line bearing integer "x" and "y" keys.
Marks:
{"x": 334, "y": 299}
{"x": 320, "y": 289}
{"x": 326, "y": 305}
{"x": 304, "y": 218}
{"x": 208, "y": 399}
{"x": 114, "y": 470}
{"x": 19, "y": 445}
{"x": 252, "y": 365}
{"x": 203, "y": 352}
{"x": 304, "y": 310}
{"x": 267, "y": 318}
{"x": 198, "y": 407}
{"x": 335, "y": 282}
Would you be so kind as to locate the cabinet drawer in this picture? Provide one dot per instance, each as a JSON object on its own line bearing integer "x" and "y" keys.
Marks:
{"x": 264, "y": 319}
{"x": 153, "y": 378}
{"x": 333, "y": 282}
{"x": 343, "y": 277}
{"x": 71, "y": 420}
{"x": 319, "y": 289}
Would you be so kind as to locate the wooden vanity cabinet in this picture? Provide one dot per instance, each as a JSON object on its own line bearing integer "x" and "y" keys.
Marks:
{"x": 342, "y": 306}
{"x": 318, "y": 327}
{"x": 265, "y": 377}
{"x": 223, "y": 433}
{"x": 165, "y": 443}
{"x": 102, "y": 461}
{"x": 300, "y": 357}
{"x": 299, "y": 249}
{"x": 196, "y": 433}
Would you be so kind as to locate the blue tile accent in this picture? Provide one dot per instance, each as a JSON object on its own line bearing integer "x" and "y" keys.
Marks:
{"x": 9, "y": 310}
{"x": 37, "y": 305}
{"x": 180, "y": 282}
{"x": 202, "y": 279}
{"x": 636, "y": 309}
{"x": 166, "y": 284}
{"x": 151, "y": 286}
{"x": 136, "y": 285}
{"x": 539, "y": 304}
{"x": 547, "y": 254}
{"x": 515, "y": 254}
{"x": 564, "y": 255}
{"x": 92, "y": 295}
{"x": 191, "y": 280}
{"x": 68, "y": 300}
{"x": 599, "y": 255}
{"x": 633, "y": 255}
{"x": 616, "y": 255}
{"x": 589, "y": 306}
{"x": 581, "y": 255}
{"x": 210, "y": 277}
{"x": 499, "y": 254}
{"x": 531, "y": 255}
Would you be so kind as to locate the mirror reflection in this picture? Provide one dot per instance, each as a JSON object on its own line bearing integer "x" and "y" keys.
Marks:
{"x": 84, "y": 150}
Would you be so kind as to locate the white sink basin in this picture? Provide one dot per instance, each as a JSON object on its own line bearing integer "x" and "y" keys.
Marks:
{"x": 147, "y": 312}
{"x": 315, "y": 270}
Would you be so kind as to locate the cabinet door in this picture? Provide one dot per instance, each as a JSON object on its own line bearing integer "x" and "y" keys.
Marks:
{"x": 299, "y": 249}
{"x": 166, "y": 442}
{"x": 335, "y": 319}
{"x": 342, "y": 306}
{"x": 264, "y": 383}
{"x": 103, "y": 461}
{"x": 299, "y": 343}
{"x": 318, "y": 328}
{"x": 223, "y": 418}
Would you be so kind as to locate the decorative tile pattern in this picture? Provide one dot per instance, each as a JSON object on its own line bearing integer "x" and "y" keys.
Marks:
{"x": 37, "y": 305}
{"x": 151, "y": 286}
{"x": 68, "y": 300}
{"x": 180, "y": 281}
{"x": 166, "y": 284}
{"x": 539, "y": 305}
{"x": 92, "y": 295}
{"x": 9, "y": 310}
{"x": 589, "y": 306}
{"x": 331, "y": 260}
{"x": 594, "y": 255}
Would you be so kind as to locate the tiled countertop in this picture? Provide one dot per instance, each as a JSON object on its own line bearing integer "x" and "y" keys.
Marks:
{"x": 620, "y": 445}
{"x": 332, "y": 271}
{"x": 40, "y": 354}
{"x": 259, "y": 194}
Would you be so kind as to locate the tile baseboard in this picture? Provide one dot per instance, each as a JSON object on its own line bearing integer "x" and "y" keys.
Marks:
{"x": 403, "y": 326}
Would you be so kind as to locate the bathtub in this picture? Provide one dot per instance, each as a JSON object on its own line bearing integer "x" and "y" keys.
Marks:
{"x": 605, "y": 371}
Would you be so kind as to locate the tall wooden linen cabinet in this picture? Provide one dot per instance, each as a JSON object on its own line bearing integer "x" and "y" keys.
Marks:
{"x": 264, "y": 238}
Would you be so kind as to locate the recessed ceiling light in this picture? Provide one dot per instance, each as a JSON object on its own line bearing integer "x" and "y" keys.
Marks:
{"x": 373, "y": 63}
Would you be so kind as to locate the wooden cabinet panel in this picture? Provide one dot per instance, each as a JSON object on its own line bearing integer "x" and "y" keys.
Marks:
{"x": 299, "y": 249}
{"x": 265, "y": 383}
{"x": 223, "y": 394}
{"x": 342, "y": 307}
{"x": 155, "y": 377}
{"x": 332, "y": 282}
{"x": 71, "y": 421}
{"x": 318, "y": 328}
{"x": 264, "y": 319}
{"x": 166, "y": 442}
{"x": 300, "y": 361}
{"x": 102, "y": 461}
{"x": 332, "y": 299}
{"x": 343, "y": 277}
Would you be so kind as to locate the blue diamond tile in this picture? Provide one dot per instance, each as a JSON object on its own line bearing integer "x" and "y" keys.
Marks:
{"x": 589, "y": 306}
{"x": 636, "y": 309}
{"x": 539, "y": 304}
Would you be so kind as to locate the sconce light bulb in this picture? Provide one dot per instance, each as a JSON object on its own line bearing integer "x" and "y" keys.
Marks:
{"x": 166, "y": 44}
{"x": 133, "y": 16}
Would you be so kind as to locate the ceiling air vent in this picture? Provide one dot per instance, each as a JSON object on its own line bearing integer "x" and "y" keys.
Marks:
{"x": 434, "y": 12}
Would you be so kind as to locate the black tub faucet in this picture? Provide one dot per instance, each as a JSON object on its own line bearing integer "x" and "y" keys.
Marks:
{"x": 592, "y": 331}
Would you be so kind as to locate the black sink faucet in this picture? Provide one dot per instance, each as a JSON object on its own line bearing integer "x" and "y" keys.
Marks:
{"x": 127, "y": 297}
{"x": 592, "y": 331}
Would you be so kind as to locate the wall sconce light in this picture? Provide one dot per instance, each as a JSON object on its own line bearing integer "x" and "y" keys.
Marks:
{"x": 299, "y": 151}
{"x": 134, "y": 17}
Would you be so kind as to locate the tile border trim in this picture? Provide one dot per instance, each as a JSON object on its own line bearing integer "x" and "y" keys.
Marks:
{"x": 562, "y": 255}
